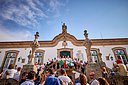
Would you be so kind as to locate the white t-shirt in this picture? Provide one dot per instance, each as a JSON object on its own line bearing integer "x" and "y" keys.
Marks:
{"x": 16, "y": 76}
{"x": 66, "y": 79}
{"x": 95, "y": 82}
{"x": 11, "y": 72}
{"x": 80, "y": 84}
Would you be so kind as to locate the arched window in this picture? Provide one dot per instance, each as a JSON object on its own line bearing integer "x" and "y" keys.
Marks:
{"x": 79, "y": 55}
{"x": 120, "y": 53}
{"x": 95, "y": 54}
{"x": 39, "y": 56}
{"x": 10, "y": 58}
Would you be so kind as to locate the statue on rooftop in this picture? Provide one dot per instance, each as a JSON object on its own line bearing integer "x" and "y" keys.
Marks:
{"x": 64, "y": 28}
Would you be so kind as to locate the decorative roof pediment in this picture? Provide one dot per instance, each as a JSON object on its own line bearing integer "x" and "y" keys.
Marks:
{"x": 64, "y": 36}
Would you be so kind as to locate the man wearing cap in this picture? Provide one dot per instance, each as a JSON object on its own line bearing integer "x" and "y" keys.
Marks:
{"x": 93, "y": 81}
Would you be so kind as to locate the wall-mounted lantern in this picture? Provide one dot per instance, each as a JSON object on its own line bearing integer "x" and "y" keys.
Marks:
{"x": 19, "y": 59}
{"x": 111, "y": 58}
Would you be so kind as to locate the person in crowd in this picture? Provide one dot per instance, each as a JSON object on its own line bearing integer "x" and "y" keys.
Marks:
{"x": 39, "y": 68}
{"x": 54, "y": 65}
{"x": 102, "y": 81}
{"x": 127, "y": 66}
{"x": 64, "y": 60}
{"x": 122, "y": 68}
{"x": 82, "y": 68}
{"x": 93, "y": 81}
{"x": 58, "y": 66}
{"x": 61, "y": 63}
{"x": 9, "y": 73}
{"x": 47, "y": 63}
{"x": 115, "y": 68}
{"x": 112, "y": 73}
{"x": 104, "y": 72}
{"x": 74, "y": 62}
{"x": 50, "y": 61}
{"x": 51, "y": 79}
{"x": 17, "y": 74}
{"x": 1, "y": 73}
{"x": 54, "y": 60}
{"x": 38, "y": 80}
{"x": 15, "y": 67}
{"x": 35, "y": 67}
{"x": 63, "y": 76}
{"x": 24, "y": 77}
{"x": 82, "y": 80}
{"x": 30, "y": 78}
{"x": 43, "y": 66}
{"x": 43, "y": 77}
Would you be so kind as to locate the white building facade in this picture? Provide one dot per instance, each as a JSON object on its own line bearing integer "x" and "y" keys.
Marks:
{"x": 64, "y": 44}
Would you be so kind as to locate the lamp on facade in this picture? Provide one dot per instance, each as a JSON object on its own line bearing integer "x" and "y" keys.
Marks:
{"x": 111, "y": 58}
{"x": 19, "y": 59}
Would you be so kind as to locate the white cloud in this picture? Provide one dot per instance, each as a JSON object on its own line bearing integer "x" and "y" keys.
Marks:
{"x": 27, "y": 12}
{"x": 6, "y": 35}
{"x": 23, "y": 14}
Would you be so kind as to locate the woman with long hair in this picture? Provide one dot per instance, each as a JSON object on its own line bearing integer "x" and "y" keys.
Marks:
{"x": 82, "y": 80}
{"x": 103, "y": 81}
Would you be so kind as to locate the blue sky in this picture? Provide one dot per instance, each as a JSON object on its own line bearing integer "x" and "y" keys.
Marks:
{"x": 20, "y": 19}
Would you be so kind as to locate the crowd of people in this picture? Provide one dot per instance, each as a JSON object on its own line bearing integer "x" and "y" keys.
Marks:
{"x": 66, "y": 62}
{"x": 49, "y": 76}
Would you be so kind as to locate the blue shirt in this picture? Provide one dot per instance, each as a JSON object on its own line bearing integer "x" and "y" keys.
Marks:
{"x": 52, "y": 80}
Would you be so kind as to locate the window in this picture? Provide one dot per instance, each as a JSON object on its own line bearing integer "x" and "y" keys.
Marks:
{"x": 79, "y": 55}
{"x": 10, "y": 58}
{"x": 94, "y": 56}
{"x": 120, "y": 53}
{"x": 38, "y": 57}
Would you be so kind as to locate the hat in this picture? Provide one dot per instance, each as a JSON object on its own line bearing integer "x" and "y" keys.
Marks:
{"x": 118, "y": 61}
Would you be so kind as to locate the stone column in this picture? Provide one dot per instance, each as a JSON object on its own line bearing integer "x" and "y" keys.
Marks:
{"x": 30, "y": 65}
{"x": 91, "y": 66}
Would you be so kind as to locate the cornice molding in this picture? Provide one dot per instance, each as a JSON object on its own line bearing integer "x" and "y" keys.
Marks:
{"x": 69, "y": 37}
